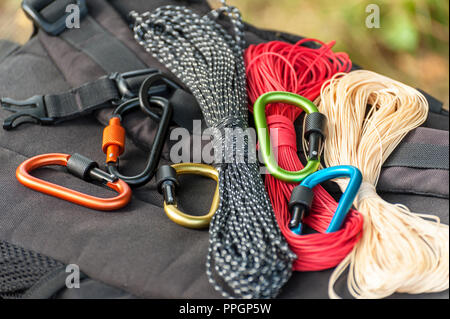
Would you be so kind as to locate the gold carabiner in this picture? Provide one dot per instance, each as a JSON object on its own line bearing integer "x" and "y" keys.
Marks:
{"x": 167, "y": 180}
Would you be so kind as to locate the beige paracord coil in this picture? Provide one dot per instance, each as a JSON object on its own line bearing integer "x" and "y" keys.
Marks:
{"x": 400, "y": 251}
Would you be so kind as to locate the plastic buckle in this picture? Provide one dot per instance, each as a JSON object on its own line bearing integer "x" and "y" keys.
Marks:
{"x": 53, "y": 28}
{"x": 32, "y": 110}
{"x": 123, "y": 86}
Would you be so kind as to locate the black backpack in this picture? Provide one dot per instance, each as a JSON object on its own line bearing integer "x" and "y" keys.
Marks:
{"x": 73, "y": 76}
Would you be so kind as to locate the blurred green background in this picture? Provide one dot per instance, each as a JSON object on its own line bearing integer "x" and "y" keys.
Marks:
{"x": 411, "y": 45}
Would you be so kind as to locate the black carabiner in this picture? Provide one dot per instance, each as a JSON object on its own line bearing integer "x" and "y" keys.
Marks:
{"x": 114, "y": 133}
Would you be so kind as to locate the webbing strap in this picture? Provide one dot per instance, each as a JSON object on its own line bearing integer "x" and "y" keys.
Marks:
{"x": 21, "y": 269}
{"x": 418, "y": 155}
{"x": 81, "y": 100}
{"x": 104, "y": 92}
{"x": 105, "y": 49}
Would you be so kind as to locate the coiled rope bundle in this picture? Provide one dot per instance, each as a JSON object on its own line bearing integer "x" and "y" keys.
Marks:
{"x": 281, "y": 66}
{"x": 400, "y": 251}
{"x": 247, "y": 250}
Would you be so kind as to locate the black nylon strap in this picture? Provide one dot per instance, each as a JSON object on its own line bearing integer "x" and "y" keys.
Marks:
{"x": 435, "y": 105}
{"x": 417, "y": 155}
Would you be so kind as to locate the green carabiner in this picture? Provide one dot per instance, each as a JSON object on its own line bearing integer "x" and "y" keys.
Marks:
{"x": 314, "y": 132}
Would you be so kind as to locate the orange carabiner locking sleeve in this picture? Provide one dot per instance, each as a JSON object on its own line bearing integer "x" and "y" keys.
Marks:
{"x": 79, "y": 166}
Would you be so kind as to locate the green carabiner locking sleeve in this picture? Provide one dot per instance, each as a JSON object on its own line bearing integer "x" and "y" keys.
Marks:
{"x": 314, "y": 132}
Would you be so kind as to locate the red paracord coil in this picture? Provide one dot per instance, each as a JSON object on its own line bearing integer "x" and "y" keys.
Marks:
{"x": 281, "y": 66}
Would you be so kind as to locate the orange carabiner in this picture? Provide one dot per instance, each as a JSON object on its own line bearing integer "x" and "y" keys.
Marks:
{"x": 79, "y": 166}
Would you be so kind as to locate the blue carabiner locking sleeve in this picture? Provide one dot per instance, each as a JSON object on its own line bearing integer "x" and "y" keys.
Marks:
{"x": 302, "y": 196}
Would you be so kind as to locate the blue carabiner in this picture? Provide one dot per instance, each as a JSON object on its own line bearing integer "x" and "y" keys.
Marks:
{"x": 302, "y": 196}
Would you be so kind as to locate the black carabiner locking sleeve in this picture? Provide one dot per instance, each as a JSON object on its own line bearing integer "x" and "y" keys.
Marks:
{"x": 315, "y": 125}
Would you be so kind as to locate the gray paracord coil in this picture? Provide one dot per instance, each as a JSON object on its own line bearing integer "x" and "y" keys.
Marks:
{"x": 247, "y": 249}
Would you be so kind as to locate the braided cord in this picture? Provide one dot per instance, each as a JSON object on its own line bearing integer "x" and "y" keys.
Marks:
{"x": 247, "y": 252}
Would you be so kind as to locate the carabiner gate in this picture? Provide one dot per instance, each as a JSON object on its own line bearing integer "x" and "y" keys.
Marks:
{"x": 314, "y": 132}
{"x": 302, "y": 196}
{"x": 79, "y": 166}
{"x": 167, "y": 181}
